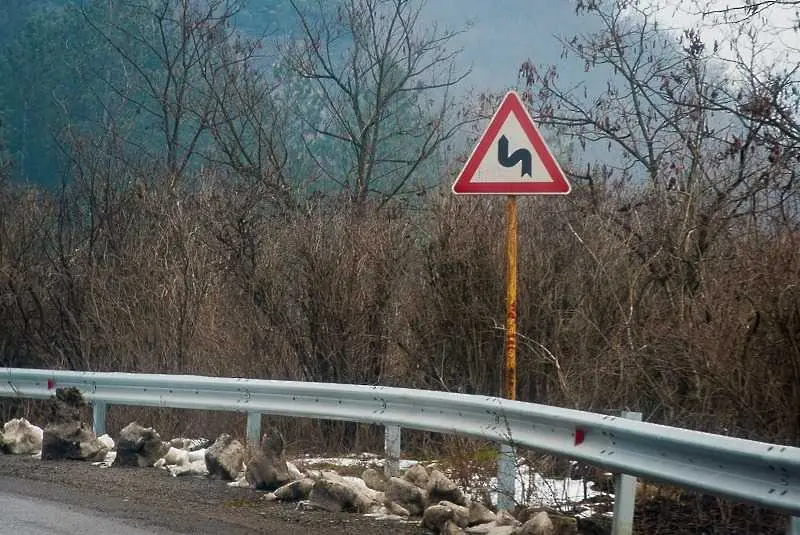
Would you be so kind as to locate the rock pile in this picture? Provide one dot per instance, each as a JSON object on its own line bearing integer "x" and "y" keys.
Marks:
{"x": 426, "y": 494}
{"x": 66, "y": 435}
{"x": 429, "y": 494}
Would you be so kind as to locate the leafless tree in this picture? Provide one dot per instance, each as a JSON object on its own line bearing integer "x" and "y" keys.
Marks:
{"x": 248, "y": 130}
{"x": 763, "y": 66}
{"x": 742, "y": 11}
{"x": 675, "y": 126}
{"x": 165, "y": 49}
{"x": 385, "y": 84}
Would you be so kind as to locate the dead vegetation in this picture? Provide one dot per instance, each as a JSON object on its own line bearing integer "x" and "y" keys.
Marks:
{"x": 666, "y": 283}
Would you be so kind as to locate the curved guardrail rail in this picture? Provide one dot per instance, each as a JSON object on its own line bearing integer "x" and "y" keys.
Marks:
{"x": 764, "y": 474}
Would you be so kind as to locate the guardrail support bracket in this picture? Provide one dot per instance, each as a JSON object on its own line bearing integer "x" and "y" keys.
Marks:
{"x": 506, "y": 477}
{"x": 253, "y": 429}
{"x": 99, "y": 417}
{"x": 392, "y": 434}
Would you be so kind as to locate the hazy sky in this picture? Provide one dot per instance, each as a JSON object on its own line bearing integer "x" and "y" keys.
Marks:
{"x": 775, "y": 39}
{"x": 505, "y": 33}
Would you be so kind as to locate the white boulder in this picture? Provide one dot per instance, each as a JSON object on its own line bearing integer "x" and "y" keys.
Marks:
{"x": 20, "y": 437}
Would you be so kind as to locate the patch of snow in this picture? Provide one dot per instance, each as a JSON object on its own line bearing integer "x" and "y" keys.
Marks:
{"x": 362, "y": 459}
{"x": 194, "y": 468}
{"x": 241, "y": 482}
{"x": 334, "y": 461}
{"x": 176, "y": 456}
{"x": 108, "y": 461}
{"x": 534, "y": 489}
{"x": 384, "y": 514}
{"x": 197, "y": 455}
{"x": 294, "y": 472}
{"x": 107, "y": 441}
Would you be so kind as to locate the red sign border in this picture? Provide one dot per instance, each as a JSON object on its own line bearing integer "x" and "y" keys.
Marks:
{"x": 511, "y": 104}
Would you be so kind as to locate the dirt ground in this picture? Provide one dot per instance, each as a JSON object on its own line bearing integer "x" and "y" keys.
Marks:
{"x": 151, "y": 497}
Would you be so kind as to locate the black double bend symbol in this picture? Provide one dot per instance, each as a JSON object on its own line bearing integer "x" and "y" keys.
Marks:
{"x": 519, "y": 155}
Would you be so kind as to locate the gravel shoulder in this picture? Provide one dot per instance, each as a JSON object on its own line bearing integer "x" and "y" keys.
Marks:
{"x": 148, "y": 497}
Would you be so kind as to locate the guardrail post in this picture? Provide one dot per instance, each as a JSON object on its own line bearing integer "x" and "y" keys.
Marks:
{"x": 794, "y": 525}
{"x": 99, "y": 417}
{"x": 392, "y": 434}
{"x": 506, "y": 477}
{"x": 253, "y": 429}
{"x": 625, "y": 494}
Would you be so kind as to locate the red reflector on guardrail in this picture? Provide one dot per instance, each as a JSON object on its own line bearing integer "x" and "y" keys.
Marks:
{"x": 580, "y": 435}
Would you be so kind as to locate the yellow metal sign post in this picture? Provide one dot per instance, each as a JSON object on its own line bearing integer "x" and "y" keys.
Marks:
{"x": 506, "y": 459}
{"x": 511, "y": 158}
{"x": 510, "y": 373}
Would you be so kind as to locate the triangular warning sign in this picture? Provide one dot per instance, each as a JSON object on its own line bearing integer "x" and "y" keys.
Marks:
{"x": 511, "y": 158}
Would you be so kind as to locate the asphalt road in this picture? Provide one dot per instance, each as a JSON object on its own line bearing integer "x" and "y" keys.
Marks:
{"x": 24, "y": 515}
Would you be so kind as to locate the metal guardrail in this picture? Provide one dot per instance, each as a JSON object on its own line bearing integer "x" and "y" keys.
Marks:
{"x": 763, "y": 474}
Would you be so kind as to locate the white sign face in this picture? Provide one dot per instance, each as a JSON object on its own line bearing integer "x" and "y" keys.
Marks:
{"x": 513, "y": 147}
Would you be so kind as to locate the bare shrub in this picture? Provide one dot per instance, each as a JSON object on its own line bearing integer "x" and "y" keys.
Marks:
{"x": 456, "y": 301}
